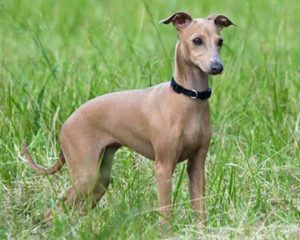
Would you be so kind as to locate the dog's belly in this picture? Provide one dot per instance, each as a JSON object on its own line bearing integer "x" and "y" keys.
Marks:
{"x": 144, "y": 149}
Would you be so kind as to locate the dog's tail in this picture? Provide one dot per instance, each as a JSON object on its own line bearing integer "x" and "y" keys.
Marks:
{"x": 43, "y": 171}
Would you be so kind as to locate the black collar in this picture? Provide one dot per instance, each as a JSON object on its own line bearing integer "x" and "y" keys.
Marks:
{"x": 194, "y": 94}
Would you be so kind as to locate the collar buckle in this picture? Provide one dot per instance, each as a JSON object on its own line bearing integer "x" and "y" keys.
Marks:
{"x": 194, "y": 94}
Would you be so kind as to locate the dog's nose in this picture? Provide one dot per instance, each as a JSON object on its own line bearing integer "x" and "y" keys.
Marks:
{"x": 216, "y": 67}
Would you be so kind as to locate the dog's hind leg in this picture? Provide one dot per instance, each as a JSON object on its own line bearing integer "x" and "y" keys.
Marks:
{"x": 83, "y": 165}
{"x": 104, "y": 178}
{"x": 90, "y": 181}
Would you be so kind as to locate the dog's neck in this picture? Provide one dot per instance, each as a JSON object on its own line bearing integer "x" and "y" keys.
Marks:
{"x": 188, "y": 75}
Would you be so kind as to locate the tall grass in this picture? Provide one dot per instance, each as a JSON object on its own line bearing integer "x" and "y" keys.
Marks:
{"x": 55, "y": 55}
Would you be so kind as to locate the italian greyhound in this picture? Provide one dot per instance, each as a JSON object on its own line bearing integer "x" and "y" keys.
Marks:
{"x": 167, "y": 123}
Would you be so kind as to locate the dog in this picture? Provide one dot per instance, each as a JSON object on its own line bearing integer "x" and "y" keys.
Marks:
{"x": 167, "y": 123}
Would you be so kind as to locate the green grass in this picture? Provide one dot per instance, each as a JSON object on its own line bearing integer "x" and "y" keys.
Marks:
{"x": 55, "y": 55}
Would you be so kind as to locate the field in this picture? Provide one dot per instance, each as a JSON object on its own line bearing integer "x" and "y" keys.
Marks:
{"x": 55, "y": 55}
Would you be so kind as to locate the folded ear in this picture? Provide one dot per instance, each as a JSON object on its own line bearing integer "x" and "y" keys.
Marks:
{"x": 221, "y": 21}
{"x": 179, "y": 20}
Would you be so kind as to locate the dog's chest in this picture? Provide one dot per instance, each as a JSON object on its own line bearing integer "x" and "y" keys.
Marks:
{"x": 195, "y": 131}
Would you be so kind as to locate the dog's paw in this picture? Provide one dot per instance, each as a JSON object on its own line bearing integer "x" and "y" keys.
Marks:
{"x": 48, "y": 216}
{"x": 200, "y": 226}
{"x": 164, "y": 227}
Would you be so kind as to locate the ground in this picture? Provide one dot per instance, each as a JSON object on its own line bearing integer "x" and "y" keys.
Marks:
{"x": 57, "y": 55}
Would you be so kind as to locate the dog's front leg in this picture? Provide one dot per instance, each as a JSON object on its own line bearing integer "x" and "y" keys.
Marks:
{"x": 196, "y": 172}
{"x": 164, "y": 169}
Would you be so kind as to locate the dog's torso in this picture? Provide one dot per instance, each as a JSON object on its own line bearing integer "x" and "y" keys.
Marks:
{"x": 149, "y": 126}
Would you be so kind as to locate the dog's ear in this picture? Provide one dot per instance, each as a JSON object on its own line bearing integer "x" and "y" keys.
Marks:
{"x": 220, "y": 21}
{"x": 179, "y": 20}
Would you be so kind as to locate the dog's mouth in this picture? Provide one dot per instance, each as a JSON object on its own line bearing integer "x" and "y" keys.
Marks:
{"x": 215, "y": 69}
{"x": 215, "y": 72}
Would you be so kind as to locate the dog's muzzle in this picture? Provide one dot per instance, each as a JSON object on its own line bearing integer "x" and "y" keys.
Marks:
{"x": 216, "y": 68}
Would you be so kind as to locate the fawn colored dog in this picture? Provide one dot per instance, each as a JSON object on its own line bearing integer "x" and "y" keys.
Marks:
{"x": 167, "y": 123}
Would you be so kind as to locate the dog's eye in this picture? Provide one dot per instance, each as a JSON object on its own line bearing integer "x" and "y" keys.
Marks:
{"x": 197, "y": 41}
{"x": 220, "y": 42}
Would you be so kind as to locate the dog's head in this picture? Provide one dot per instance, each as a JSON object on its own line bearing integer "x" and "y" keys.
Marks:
{"x": 200, "y": 40}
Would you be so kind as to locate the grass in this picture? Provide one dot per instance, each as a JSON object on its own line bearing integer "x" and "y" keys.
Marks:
{"x": 57, "y": 55}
